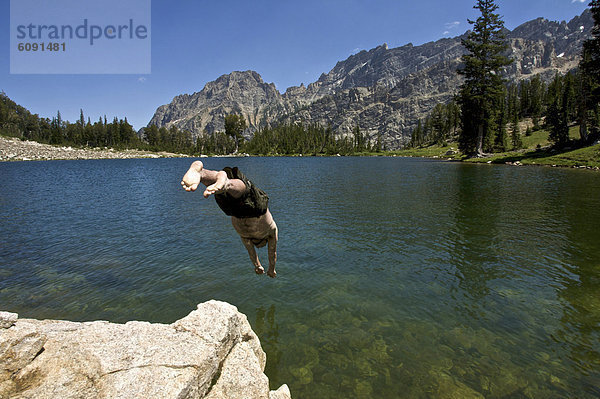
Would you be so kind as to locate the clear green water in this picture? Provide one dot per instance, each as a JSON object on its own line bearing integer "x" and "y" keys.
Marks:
{"x": 398, "y": 278}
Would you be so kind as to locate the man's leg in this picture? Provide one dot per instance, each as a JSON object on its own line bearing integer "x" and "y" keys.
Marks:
{"x": 215, "y": 181}
{"x": 253, "y": 255}
{"x": 272, "y": 254}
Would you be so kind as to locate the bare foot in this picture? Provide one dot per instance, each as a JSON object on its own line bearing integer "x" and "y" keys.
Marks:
{"x": 259, "y": 269}
{"x": 271, "y": 272}
{"x": 192, "y": 177}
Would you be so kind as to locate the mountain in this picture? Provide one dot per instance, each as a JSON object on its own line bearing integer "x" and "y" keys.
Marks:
{"x": 238, "y": 92}
{"x": 385, "y": 91}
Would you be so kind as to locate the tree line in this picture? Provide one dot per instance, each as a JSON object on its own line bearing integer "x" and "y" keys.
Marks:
{"x": 488, "y": 104}
{"x": 16, "y": 121}
{"x": 553, "y": 106}
{"x": 286, "y": 139}
{"x": 295, "y": 138}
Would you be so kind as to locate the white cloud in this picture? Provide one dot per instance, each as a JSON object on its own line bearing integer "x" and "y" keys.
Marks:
{"x": 141, "y": 79}
{"x": 578, "y": 1}
{"x": 451, "y": 25}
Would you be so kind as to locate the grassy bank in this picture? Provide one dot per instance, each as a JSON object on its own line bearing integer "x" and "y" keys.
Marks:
{"x": 537, "y": 151}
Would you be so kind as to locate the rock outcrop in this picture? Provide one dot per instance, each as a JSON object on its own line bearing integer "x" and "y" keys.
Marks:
{"x": 211, "y": 353}
{"x": 385, "y": 91}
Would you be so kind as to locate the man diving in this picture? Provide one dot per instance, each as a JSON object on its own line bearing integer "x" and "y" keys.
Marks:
{"x": 247, "y": 205}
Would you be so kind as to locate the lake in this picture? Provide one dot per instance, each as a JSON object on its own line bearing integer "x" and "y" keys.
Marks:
{"x": 397, "y": 278}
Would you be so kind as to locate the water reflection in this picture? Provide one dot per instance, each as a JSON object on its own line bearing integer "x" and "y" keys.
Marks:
{"x": 580, "y": 324}
{"x": 580, "y": 321}
{"x": 474, "y": 233}
{"x": 267, "y": 328}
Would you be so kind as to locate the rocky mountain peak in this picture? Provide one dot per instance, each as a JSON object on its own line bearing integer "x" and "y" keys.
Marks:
{"x": 203, "y": 112}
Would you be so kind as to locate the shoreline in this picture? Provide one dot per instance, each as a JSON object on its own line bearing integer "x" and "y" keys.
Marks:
{"x": 13, "y": 149}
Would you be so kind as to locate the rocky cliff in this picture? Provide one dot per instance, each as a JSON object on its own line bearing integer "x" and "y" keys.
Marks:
{"x": 238, "y": 92}
{"x": 385, "y": 91}
{"x": 211, "y": 353}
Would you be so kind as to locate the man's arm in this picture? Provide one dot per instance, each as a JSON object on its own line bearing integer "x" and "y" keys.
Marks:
{"x": 215, "y": 181}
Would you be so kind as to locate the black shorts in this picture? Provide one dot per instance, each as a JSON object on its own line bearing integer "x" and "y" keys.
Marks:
{"x": 253, "y": 203}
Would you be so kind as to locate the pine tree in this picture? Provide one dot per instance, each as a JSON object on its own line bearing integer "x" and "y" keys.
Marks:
{"x": 500, "y": 141}
{"x": 513, "y": 101}
{"x": 557, "y": 111}
{"x": 56, "y": 135}
{"x": 413, "y": 139}
{"x": 427, "y": 131}
{"x": 524, "y": 99}
{"x": 584, "y": 83}
{"x": 453, "y": 117}
{"x": 359, "y": 139}
{"x": 536, "y": 97}
{"x": 515, "y": 134}
{"x": 417, "y": 135}
{"x": 482, "y": 89}
{"x": 589, "y": 96}
{"x": 590, "y": 61}
{"x": 439, "y": 124}
{"x": 234, "y": 127}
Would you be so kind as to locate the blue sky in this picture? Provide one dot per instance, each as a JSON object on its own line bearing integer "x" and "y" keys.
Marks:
{"x": 286, "y": 42}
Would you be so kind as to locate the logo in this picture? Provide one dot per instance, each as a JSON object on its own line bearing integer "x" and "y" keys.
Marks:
{"x": 80, "y": 37}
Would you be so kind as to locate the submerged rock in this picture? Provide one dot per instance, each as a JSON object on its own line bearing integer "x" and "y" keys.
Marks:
{"x": 211, "y": 353}
{"x": 451, "y": 388}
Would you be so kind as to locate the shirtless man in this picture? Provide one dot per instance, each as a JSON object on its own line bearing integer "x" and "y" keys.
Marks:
{"x": 247, "y": 205}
